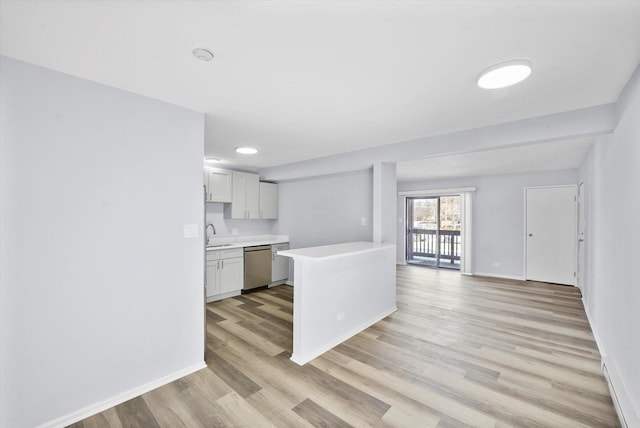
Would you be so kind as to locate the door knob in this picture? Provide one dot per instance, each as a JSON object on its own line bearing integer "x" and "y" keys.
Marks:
{"x": 531, "y": 234}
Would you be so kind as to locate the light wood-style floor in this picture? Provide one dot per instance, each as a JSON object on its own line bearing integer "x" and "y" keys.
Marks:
{"x": 460, "y": 351}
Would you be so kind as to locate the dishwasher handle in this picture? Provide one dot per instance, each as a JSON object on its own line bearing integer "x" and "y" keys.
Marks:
{"x": 258, "y": 248}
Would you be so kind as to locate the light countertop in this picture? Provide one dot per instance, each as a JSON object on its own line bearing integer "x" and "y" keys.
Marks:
{"x": 337, "y": 250}
{"x": 241, "y": 241}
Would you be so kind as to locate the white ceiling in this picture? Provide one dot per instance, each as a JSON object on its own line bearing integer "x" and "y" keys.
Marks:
{"x": 304, "y": 79}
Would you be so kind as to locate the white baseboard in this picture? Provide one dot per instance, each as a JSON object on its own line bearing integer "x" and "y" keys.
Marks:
{"x": 594, "y": 330}
{"x": 223, "y": 296}
{"x": 276, "y": 283}
{"x": 289, "y": 283}
{"x": 93, "y": 409}
{"x": 304, "y": 359}
{"x": 624, "y": 407}
{"x": 496, "y": 275}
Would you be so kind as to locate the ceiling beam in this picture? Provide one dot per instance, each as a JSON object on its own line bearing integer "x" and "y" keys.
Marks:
{"x": 587, "y": 122}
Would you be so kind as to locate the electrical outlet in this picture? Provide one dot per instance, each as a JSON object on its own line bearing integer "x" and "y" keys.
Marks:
{"x": 340, "y": 316}
{"x": 496, "y": 264}
{"x": 363, "y": 221}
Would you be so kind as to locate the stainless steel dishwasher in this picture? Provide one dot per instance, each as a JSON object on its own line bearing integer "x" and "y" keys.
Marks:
{"x": 257, "y": 267}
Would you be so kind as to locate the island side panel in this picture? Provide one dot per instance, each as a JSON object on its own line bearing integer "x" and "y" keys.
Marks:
{"x": 337, "y": 297}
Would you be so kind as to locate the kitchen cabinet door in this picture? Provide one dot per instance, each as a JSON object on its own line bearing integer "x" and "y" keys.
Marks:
{"x": 231, "y": 274}
{"x": 245, "y": 201}
{"x": 268, "y": 200}
{"x": 239, "y": 196}
{"x": 220, "y": 185}
{"x": 213, "y": 286}
{"x": 279, "y": 264}
{"x": 253, "y": 196}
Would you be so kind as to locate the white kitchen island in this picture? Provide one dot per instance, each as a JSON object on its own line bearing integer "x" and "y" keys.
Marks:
{"x": 339, "y": 290}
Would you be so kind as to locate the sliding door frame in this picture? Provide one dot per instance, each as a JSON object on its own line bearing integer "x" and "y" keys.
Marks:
{"x": 466, "y": 221}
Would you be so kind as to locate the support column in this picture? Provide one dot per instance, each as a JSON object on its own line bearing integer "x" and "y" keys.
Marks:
{"x": 385, "y": 198}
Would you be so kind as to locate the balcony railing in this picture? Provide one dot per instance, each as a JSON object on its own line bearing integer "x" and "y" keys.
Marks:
{"x": 424, "y": 243}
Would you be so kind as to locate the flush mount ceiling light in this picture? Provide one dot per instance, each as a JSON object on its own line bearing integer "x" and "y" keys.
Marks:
{"x": 203, "y": 54}
{"x": 504, "y": 74}
{"x": 246, "y": 150}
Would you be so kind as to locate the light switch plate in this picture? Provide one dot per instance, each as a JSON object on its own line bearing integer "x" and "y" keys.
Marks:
{"x": 363, "y": 221}
{"x": 190, "y": 230}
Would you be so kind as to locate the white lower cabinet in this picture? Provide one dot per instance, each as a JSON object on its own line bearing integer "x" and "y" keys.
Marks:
{"x": 213, "y": 287}
{"x": 231, "y": 274}
{"x": 225, "y": 273}
{"x": 279, "y": 264}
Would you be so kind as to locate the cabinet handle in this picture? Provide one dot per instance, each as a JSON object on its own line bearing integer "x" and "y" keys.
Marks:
{"x": 222, "y": 264}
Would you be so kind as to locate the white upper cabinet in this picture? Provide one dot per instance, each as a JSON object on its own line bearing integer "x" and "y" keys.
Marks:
{"x": 268, "y": 200}
{"x": 245, "y": 202}
{"x": 219, "y": 185}
{"x": 250, "y": 198}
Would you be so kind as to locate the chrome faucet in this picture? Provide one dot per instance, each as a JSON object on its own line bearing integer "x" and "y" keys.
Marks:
{"x": 213, "y": 228}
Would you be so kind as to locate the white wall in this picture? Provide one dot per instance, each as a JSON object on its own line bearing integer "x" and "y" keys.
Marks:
{"x": 611, "y": 289}
{"x": 326, "y": 210}
{"x": 498, "y": 216}
{"x": 100, "y": 291}
{"x": 225, "y": 226}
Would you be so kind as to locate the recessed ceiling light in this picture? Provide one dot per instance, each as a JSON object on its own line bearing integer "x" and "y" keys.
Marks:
{"x": 246, "y": 150}
{"x": 212, "y": 160}
{"x": 203, "y": 54}
{"x": 504, "y": 74}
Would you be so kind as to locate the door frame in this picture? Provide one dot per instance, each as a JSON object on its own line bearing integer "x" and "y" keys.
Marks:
{"x": 575, "y": 231}
{"x": 466, "y": 211}
{"x": 437, "y": 219}
{"x": 580, "y": 255}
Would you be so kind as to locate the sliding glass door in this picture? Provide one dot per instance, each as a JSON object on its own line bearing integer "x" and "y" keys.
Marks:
{"x": 433, "y": 231}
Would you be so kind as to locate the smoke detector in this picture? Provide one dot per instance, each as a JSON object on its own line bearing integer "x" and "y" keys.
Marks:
{"x": 203, "y": 54}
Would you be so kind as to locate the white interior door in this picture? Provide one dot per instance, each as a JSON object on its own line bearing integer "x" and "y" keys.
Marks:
{"x": 551, "y": 218}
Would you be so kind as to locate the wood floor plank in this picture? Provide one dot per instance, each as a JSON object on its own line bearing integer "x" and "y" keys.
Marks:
{"x": 269, "y": 402}
{"x": 404, "y": 410}
{"x": 246, "y": 361}
{"x": 318, "y": 416}
{"x": 107, "y": 419}
{"x": 176, "y": 407}
{"x": 136, "y": 414}
{"x": 239, "y": 413}
{"x": 246, "y": 333}
{"x": 238, "y": 382}
{"x": 461, "y": 351}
